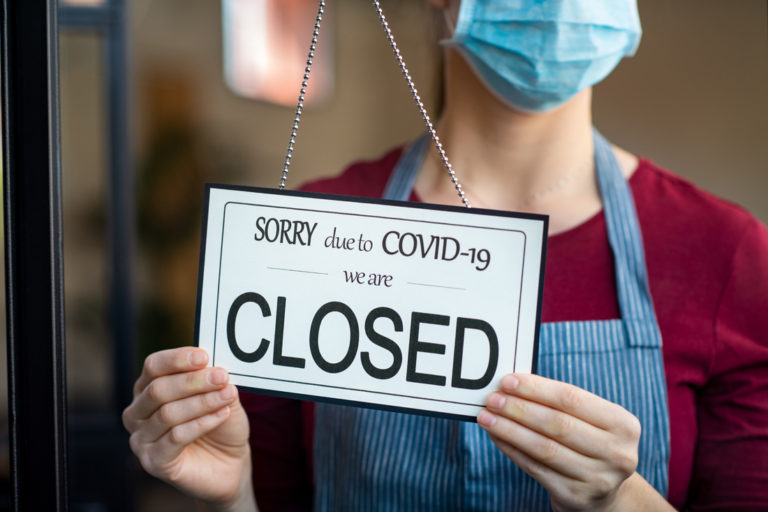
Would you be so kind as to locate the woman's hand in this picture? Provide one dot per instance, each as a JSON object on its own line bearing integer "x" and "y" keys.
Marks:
{"x": 580, "y": 447}
{"x": 188, "y": 428}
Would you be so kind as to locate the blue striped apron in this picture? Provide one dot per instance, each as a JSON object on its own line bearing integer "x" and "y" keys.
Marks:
{"x": 374, "y": 460}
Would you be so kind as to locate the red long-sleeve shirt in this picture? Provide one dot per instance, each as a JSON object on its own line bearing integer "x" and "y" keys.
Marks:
{"x": 708, "y": 269}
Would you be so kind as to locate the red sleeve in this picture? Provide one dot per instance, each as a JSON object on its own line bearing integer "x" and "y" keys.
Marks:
{"x": 731, "y": 468}
{"x": 281, "y": 461}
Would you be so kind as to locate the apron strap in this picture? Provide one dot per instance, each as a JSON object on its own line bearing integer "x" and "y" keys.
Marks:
{"x": 626, "y": 241}
{"x": 401, "y": 181}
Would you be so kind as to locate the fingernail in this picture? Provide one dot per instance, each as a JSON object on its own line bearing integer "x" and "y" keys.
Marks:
{"x": 228, "y": 393}
{"x": 509, "y": 382}
{"x": 198, "y": 358}
{"x": 217, "y": 377}
{"x": 224, "y": 411}
{"x": 486, "y": 419}
{"x": 496, "y": 400}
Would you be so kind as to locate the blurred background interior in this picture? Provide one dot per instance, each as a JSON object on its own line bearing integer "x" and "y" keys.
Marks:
{"x": 160, "y": 96}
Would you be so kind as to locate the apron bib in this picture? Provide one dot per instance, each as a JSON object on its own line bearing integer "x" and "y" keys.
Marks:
{"x": 375, "y": 460}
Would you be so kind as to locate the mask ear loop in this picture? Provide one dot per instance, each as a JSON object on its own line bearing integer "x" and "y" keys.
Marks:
{"x": 411, "y": 86}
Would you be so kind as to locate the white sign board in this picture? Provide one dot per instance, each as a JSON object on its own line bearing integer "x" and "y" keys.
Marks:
{"x": 385, "y": 304}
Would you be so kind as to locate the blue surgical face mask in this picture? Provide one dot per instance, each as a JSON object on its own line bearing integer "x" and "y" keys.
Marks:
{"x": 537, "y": 54}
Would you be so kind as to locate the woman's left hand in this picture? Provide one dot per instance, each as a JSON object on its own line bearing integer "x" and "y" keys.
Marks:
{"x": 580, "y": 447}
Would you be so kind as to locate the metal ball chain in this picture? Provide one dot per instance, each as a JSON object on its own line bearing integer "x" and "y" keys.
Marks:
{"x": 302, "y": 93}
{"x": 408, "y": 79}
{"x": 417, "y": 98}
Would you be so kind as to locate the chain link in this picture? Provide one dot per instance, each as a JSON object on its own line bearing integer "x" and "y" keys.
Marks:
{"x": 302, "y": 93}
{"x": 418, "y": 101}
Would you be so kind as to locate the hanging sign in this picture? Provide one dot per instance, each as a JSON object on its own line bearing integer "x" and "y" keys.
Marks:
{"x": 384, "y": 304}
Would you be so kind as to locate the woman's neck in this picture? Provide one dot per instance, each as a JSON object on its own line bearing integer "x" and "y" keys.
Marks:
{"x": 511, "y": 160}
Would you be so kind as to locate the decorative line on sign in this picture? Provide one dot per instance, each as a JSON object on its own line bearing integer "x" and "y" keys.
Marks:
{"x": 438, "y": 286}
{"x": 297, "y": 270}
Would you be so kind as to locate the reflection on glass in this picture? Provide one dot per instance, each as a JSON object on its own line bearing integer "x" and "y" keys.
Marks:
{"x": 84, "y": 191}
{"x": 265, "y": 50}
{"x": 83, "y": 2}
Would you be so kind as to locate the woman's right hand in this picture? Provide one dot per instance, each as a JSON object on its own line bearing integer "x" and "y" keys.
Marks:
{"x": 188, "y": 428}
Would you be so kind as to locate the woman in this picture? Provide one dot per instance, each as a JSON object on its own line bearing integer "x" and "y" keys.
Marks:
{"x": 625, "y": 422}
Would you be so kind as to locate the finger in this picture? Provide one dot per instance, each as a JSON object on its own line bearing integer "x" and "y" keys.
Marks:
{"x": 170, "y": 388}
{"x": 538, "y": 447}
{"x": 565, "y": 397}
{"x": 181, "y": 411}
{"x": 171, "y": 444}
{"x": 168, "y": 362}
{"x": 568, "y": 430}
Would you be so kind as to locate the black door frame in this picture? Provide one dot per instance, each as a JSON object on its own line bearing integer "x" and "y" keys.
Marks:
{"x": 33, "y": 259}
{"x": 33, "y": 239}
